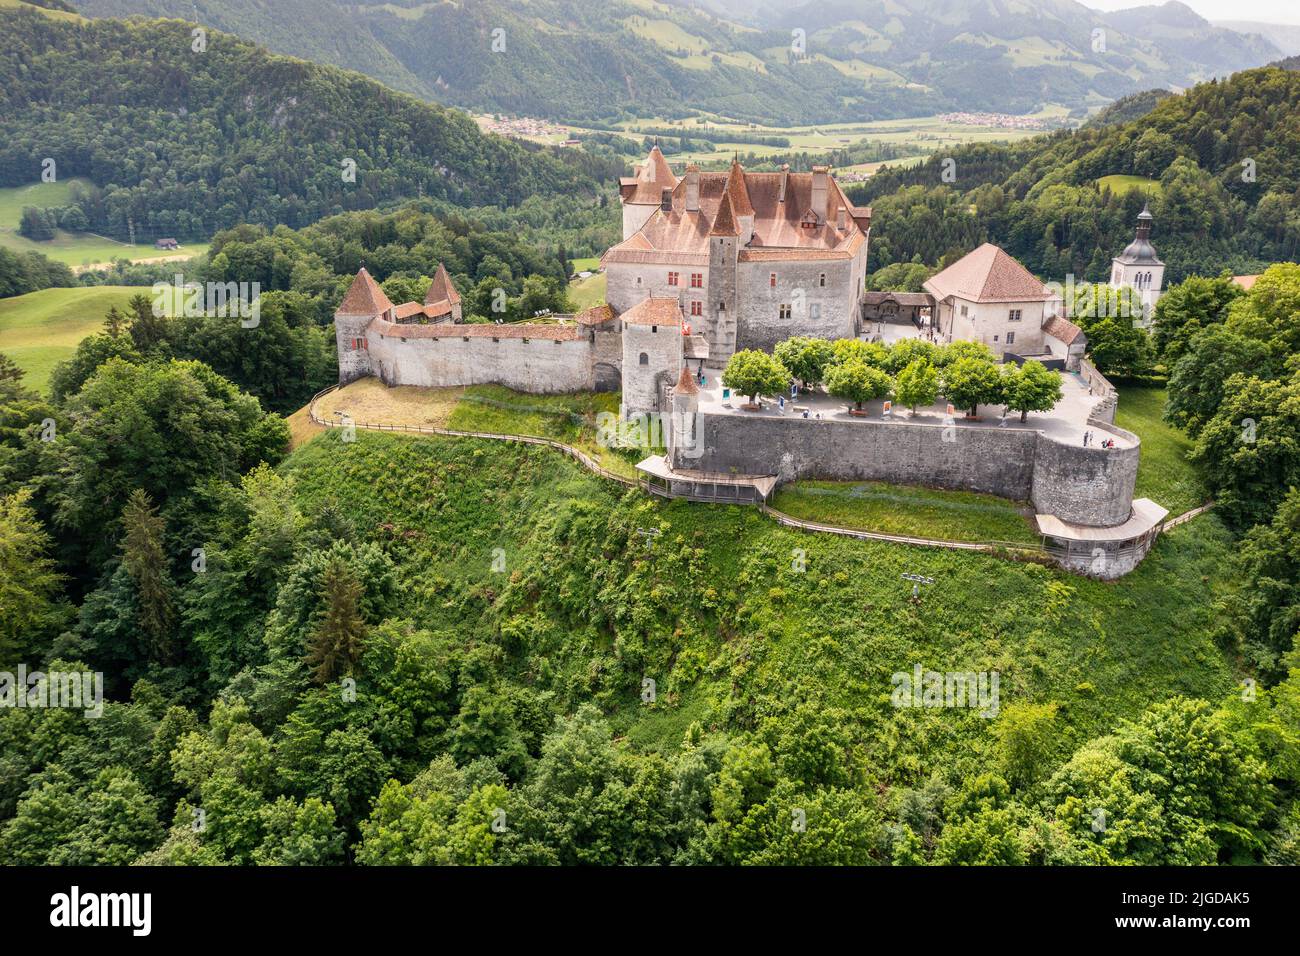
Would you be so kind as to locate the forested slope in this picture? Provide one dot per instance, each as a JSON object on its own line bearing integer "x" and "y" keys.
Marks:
{"x": 1225, "y": 158}
{"x": 184, "y": 142}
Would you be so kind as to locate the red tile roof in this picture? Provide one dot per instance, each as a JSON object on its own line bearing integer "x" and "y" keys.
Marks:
{"x": 737, "y": 191}
{"x": 364, "y": 297}
{"x": 686, "y": 383}
{"x": 654, "y": 312}
{"x": 596, "y": 315}
{"x": 442, "y": 291}
{"x": 652, "y": 177}
{"x": 1062, "y": 329}
{"x": 987, "y": 275}
{"x": 680, "y": 237}
{"x": 724, "y": 224}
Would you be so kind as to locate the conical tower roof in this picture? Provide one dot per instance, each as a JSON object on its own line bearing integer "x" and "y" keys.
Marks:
{"x": 364, "y": 297}
{"x": 442, "y": 288}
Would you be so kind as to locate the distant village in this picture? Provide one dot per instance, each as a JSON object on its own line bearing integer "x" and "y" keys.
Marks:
{"x": 998, "y": 120}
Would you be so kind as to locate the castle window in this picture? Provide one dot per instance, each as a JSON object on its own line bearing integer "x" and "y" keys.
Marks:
{"x": 654, "y": 328}
{"x": 821, "y": 279}
{"x": 995, "y": 338}
{"x": 638, "y": 280}
{"x": 697, "y": 308}
{"x": 771, "y": 279}
{"x": 697, "y": 280}
{"x": 1011, "y": 338}
{"x": 1014, "y": 315}
{"x": 643, "y": 360}
{"x": 814, "y": 310}
{"x": 784, "y": 311}
{"x": 963, "y": 310}
{"x": 672, "y": 278}
{"x": 722, "y": 307}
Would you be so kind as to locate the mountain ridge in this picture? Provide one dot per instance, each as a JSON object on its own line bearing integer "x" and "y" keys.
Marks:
{"x": 878, "y": 59}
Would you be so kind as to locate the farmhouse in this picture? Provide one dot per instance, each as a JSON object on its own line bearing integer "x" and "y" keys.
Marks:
{"x": 712, "y": 263}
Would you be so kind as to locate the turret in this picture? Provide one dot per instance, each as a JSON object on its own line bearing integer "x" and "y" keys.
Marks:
{"x": 362, "y": 304}
{"x": 684, "y": 440}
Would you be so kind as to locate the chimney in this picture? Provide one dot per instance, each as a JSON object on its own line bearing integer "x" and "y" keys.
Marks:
{"x": 666, "y": 200}
{"x": 785, "y": 178}
{"x": 839, "y": 217}
{"x": 692, "y": 188}
{"x": 821, "y": 176}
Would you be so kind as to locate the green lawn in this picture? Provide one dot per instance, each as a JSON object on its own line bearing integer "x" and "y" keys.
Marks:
{"x": 1124, "y": 184}
{"x": 584, "y": 293}
{"x": 40, "y": 329}
{"x": 1164, "y": 475}
{"x": 906, "y": 510}
{"x": 587, "y": 264}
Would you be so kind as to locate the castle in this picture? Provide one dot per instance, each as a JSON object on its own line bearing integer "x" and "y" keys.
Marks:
{"x": 714, "y": 262}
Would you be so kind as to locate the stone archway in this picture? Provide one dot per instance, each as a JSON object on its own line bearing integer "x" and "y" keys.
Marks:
{"x": 607, "y": 377}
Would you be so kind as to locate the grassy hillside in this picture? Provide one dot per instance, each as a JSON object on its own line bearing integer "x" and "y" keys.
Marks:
{"x": 41, "y": 329}
{"x": 907, "y": 510}
{"x": 1165, "y": 475}
{"x": 718, "y": 615}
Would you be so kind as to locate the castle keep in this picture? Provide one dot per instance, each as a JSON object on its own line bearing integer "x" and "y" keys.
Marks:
{"x": 712, "y": 263}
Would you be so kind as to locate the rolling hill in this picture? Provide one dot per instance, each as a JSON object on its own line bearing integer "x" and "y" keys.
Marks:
{"x": 182, "y": 144}
{"x": 866, "y": 59}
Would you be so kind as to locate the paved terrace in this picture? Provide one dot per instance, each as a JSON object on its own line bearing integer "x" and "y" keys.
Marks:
{"x": 1066, "y": 423}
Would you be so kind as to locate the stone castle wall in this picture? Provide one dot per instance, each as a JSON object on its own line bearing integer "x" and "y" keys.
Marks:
{"x": 1090, "y": 486}
{"x": 829, "y": 311}
{"x": 354, "y": 362}
{"x": 540, "y": 365}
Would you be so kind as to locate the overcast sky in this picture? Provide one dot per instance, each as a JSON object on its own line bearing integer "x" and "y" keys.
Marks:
{"x": 1270, "y": 11}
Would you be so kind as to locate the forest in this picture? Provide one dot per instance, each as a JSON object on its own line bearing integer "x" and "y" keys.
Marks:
{"x": 382, "y": 649}
{"x": 1224, "y": 158}
{"x": 181, "y": 143}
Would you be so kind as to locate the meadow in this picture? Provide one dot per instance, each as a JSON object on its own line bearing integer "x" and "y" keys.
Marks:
{"x": 908, "y": 510}
{"x": 76, "y": 249}
{"x": 1164, "y": 473}
{"x": 41, "y": 329}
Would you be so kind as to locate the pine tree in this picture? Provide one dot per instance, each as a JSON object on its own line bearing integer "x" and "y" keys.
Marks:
{"x": 145, "y": 559}
{"x": 336, "y": 644}
{"x": 114, "y": 322}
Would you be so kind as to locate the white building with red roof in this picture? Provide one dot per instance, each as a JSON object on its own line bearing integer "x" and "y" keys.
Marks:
{"x": 987, "y": 296}
{"x": 751, "y": 258}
